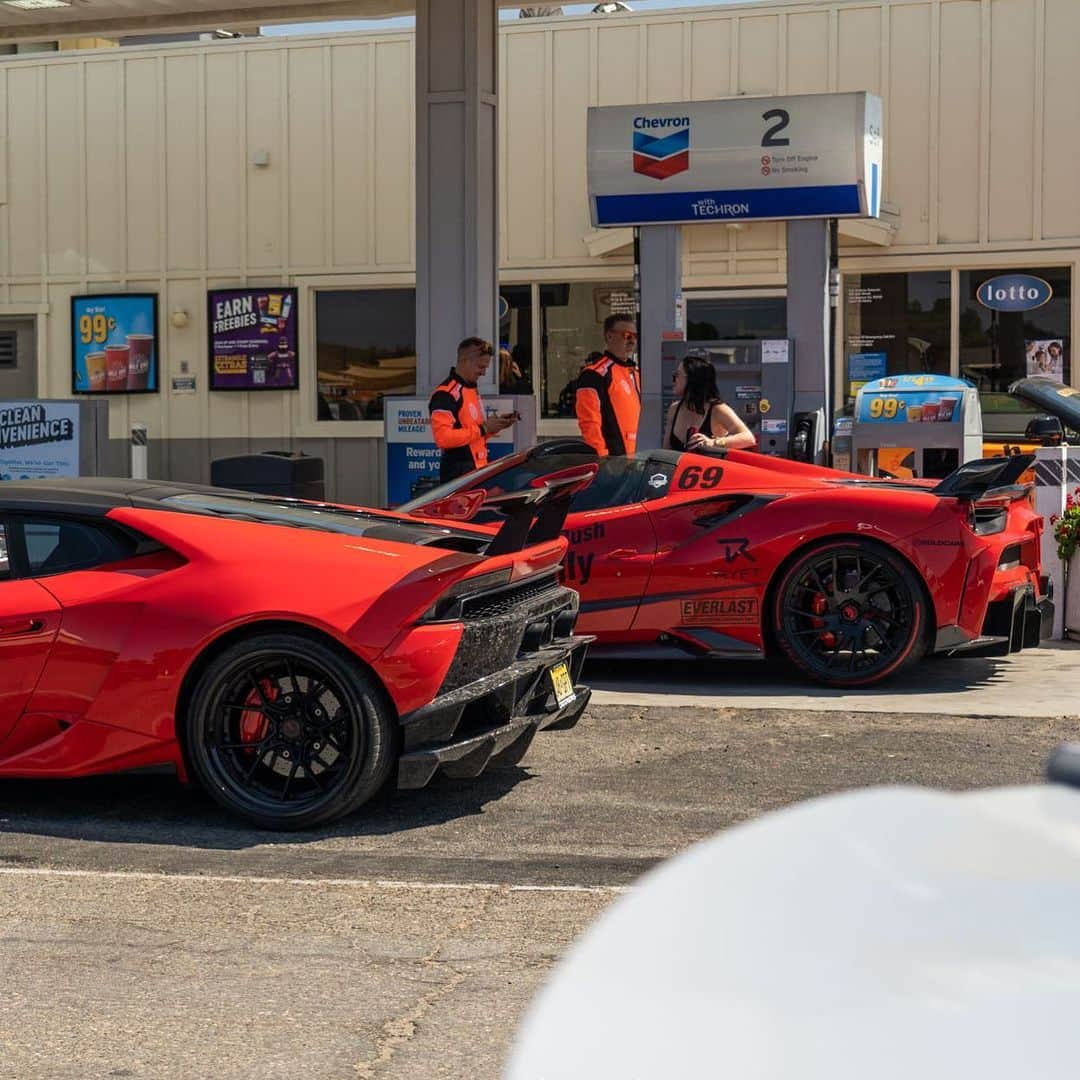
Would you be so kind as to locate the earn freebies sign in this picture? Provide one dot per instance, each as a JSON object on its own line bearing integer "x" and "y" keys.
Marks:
{"x": 775, "y": 158}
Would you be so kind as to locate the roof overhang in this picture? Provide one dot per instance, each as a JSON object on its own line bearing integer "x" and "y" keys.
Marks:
{"x": 114, "y": 18}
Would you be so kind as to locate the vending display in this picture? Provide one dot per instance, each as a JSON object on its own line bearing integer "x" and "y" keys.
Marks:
{"x": 913, "y": 426}
{"x": 114, "y": 344}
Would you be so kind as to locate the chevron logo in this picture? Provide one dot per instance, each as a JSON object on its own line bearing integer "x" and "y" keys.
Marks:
{"x": 663, "y": 155}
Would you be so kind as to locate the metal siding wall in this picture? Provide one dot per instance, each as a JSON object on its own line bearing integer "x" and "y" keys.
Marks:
{"x": 1012, "y": 115}
{"x": 960, "y": 71}
{"x": 1060, "y": 165}
{"x": 139, "y": 176}
{"x": 907, "y": 127}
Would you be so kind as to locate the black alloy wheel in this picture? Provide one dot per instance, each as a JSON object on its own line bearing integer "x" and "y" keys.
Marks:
{"x": 288, "y": 732}
{"x": 850, "y": 614}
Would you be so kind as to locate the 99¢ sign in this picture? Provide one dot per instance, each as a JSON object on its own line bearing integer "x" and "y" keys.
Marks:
{"x": 885, "y": 408}
{"x": 114, "y": 344}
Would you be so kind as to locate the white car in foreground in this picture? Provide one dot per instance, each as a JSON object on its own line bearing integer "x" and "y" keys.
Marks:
{"x": 876, "y": 935}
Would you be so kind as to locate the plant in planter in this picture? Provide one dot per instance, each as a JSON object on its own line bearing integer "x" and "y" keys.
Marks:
{"x": 1067, "y": 534}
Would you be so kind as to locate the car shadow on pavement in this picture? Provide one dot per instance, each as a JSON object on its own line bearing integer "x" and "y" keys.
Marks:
{"x": 152, "y": 807}
{"x": 733, "y": 680}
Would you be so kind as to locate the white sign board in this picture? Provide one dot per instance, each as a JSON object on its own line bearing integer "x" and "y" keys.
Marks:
{"x": 38, "y": 440}
{"x": 768, "y": 158}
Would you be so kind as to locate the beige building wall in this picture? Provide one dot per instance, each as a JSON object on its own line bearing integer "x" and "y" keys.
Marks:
{"x": 134, "y": 169}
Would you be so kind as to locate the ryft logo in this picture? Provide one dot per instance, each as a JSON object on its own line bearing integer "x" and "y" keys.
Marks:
{"x": 661, "y": 146}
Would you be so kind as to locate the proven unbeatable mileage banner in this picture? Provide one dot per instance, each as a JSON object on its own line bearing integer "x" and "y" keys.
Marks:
{"x": 253, "y": 339}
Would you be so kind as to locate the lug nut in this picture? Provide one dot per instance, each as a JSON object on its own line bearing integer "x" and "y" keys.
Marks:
{"x": 286, "y": 755}
{"x": 316, "y": 746}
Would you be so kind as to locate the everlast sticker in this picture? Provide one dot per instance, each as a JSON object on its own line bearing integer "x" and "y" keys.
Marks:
{"x": 724, "y": 611}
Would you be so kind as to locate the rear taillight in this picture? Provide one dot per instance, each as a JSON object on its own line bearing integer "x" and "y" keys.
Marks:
{"x": 448, "y": 606}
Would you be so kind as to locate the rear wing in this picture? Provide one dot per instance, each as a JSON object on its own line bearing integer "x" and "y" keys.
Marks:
{"x": 975, "y": 478}
{"x": 538, "y": 513}
{"x": 532, "y": 516}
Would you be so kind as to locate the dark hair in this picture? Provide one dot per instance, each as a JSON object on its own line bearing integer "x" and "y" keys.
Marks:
{"x": 701, "y": 389}
{"x": 478, "y": 343}
{"x": 613, "y": 320}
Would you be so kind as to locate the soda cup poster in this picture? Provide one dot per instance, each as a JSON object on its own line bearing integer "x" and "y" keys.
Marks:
{"x": 253, "y": 339}
{"x": 114, "y": 344}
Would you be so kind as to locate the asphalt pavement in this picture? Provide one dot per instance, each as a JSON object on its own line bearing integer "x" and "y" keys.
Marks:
{"x": 144, "y": 934}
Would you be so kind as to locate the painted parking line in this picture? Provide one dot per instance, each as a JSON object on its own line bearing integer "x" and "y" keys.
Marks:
{"x": 357, "y": 883}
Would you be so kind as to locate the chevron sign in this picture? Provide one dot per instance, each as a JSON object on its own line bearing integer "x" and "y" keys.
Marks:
{"x": 661, "y": 146}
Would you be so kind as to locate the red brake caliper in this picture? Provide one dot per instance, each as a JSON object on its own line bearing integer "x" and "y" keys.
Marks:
{"x": 819, "y": 605}
{"x": 254, "y": 724}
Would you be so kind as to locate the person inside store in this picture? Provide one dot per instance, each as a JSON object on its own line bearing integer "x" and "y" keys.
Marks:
{"x": 511, "y": 379}
{"x": 698, "y": 419}
{"x": 568, "y": 394}
{"x": 607, "y": 399}
{"x": 458, "y": 423}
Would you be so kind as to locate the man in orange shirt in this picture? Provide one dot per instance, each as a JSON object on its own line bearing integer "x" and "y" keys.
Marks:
{"x": 608, "y": 397}
{"x": 458, "y": 423}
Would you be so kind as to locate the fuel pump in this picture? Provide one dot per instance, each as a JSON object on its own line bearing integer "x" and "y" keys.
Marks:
{"x": 756, "y": 379}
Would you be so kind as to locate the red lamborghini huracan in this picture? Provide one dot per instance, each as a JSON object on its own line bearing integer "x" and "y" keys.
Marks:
{"x": 288, "y": 656}
{"x": 741, "y": 555}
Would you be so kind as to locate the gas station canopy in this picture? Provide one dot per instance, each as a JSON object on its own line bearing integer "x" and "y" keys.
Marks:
{"x": 35, "y": 20}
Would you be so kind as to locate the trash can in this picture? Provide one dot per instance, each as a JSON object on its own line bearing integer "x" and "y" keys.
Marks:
{"x": 273, "y": 472}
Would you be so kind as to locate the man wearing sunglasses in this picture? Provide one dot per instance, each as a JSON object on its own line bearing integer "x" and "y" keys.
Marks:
{"x": 608, "y": 397}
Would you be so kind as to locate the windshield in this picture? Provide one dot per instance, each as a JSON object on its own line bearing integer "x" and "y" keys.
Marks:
{"x": 617, "y": 483}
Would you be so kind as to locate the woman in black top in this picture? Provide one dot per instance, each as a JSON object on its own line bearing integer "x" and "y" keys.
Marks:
{"x": 699, "y": 420}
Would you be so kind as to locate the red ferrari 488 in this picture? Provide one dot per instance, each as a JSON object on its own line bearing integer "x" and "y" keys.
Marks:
{"x": 742, "y": 555}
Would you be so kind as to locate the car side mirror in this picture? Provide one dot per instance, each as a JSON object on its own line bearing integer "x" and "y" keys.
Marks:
{"x": 1046, "y": 430}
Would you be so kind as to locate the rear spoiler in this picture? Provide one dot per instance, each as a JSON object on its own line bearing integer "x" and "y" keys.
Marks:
{"x": 538, "y": 513}
{"x": 533, "y": 516}
{"x": 975, "y": 478}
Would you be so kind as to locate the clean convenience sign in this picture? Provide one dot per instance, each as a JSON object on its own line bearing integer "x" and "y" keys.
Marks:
{"x": 805, "y": 156}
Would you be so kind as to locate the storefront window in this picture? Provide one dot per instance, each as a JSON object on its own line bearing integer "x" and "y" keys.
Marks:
{"x": 572, "y": 326}
{"x": 515, "y": 336}
{"x": 720, "y": 318}
{"x": 366, "y": 348}
{"x": 894, "y": 324}
{"x": 1013, "y": 324}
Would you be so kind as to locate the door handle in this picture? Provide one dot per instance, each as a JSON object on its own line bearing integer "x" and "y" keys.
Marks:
{"x": 22, "y": 626}
{"x": 625, "y": 553}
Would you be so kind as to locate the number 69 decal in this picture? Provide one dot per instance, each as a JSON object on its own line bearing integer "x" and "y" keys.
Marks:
{"x": 694, "y": 476}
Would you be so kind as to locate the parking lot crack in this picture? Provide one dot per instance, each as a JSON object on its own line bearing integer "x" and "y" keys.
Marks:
{"x": 401, "y": 1030}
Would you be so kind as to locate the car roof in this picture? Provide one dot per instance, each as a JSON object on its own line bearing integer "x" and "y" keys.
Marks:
{"x": 95, "y": 496}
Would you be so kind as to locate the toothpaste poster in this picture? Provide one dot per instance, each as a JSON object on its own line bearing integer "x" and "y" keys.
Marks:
{"x": 254, "y": 340}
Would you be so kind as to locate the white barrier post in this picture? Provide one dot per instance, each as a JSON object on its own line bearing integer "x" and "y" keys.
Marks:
{"x": 140, "y": 454}
{"x": 1051, "y": 485}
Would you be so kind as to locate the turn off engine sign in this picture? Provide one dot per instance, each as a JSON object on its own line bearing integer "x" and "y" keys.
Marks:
{"x": 804, "y": 156}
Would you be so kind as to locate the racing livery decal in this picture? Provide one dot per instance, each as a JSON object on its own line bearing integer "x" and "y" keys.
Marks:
{"x": 723, "y": 611}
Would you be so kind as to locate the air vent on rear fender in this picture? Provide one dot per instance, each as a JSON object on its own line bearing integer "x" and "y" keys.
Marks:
{"x": 9, "y": 353}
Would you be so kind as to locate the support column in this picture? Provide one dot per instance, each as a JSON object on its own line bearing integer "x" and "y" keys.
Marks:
{"x": 456, "y": 182}
{"x": 808, "y": 321}
{"x": 661, "y": 286}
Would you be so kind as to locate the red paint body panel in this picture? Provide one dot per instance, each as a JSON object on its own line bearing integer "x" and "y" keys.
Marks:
{"x": 723, "y": 529}
{"x": 94, "y": 661}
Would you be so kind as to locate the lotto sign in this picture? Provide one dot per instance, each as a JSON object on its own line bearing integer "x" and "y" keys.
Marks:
{"x": 806, "y": 156}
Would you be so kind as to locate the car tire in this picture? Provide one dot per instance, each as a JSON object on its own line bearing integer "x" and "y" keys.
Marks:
{"x": 851, "y": 613}
{"x": 289, "y": 732}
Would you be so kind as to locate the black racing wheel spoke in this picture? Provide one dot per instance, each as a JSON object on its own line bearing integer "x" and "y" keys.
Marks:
{"x": 847, "y": 612}
{"x": 272, "y": 712}
{"x": 289, "y": 779}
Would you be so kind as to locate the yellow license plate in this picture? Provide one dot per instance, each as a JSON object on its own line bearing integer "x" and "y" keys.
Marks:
{"x": 563, "y": 684}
